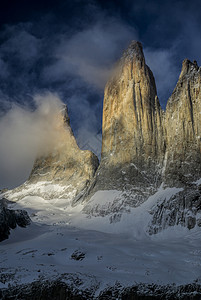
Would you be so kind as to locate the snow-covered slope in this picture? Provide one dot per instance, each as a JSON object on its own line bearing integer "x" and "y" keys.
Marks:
{"x": 99, "y": 243}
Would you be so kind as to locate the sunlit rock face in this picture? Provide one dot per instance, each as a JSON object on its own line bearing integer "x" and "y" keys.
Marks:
{"x": 183, "y": 128}
{"x": 131, "y": 113}
{"x": 65, "y": 170}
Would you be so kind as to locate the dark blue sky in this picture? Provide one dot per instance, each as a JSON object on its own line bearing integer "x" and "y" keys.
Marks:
{"x": 39, "y": 37}
{"x": 69, "y": 47}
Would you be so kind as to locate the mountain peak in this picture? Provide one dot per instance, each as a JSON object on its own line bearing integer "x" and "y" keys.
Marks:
{"x": 134, "y": 49}
{"x": 188, "y": 67}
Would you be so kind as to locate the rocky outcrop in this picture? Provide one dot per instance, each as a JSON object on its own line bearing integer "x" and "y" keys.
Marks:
{"x": 9, "y": 219}
{"x": 59, "y": 290}
{"x": 142, "y": 146}
{"x": 182, "y": 209}
{"x": 132, "y": 113}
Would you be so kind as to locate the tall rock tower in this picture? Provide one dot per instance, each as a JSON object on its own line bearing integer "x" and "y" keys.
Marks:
{"x": 132, "y": 131}
{"x": 182, "y": 162}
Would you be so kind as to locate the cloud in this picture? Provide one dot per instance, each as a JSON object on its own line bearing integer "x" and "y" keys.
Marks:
{"x": 25, "y": 134}
{"x": 91, "y": 52}
{"x": 20, "y": 44}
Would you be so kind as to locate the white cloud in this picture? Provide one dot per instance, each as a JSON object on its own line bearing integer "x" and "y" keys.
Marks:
{"x": 24, "y": 134}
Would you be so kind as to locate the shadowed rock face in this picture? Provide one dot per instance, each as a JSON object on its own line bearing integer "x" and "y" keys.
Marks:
{"x": 10, "y": 218}
{"x": 181, "y": 209}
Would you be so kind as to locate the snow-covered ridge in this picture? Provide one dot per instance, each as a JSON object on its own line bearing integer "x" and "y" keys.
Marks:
{"x": 45, "y": 189}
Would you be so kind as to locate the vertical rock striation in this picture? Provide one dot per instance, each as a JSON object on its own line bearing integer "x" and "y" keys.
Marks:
{"x": 142, "y": 146}
{"x": 132, "y": 131}
{"x": 183, "y": 128}
{"x": 131, "y": 112}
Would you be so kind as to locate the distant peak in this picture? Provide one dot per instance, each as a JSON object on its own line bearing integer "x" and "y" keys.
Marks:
{"x": 64, "y": 113}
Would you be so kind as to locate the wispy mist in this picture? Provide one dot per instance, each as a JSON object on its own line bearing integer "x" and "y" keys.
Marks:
{"x": 25, "y": 134}
{"x": 91, "y": 52}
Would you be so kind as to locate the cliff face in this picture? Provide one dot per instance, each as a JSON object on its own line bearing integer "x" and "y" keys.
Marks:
{"x": 131, "y": 112}
{"x": 183, "y": 128}
{"x": 142, "y": 146}
{"x": 132, "y": 131}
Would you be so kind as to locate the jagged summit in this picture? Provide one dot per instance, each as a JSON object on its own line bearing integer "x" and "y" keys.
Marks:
{"x": 188, "y": 67}
{"x": 134, "y": 50}
{"x": 64, "y": 113}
